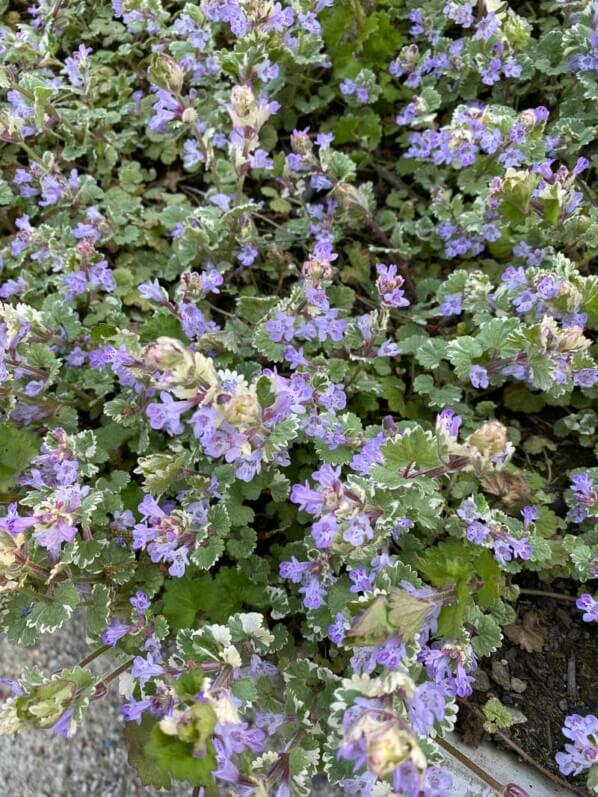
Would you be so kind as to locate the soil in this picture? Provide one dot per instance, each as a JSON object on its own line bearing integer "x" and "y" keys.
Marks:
{"x": 559, "y": 679}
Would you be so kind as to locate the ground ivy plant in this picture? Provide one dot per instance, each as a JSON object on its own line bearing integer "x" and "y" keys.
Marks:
{"x": 298, "y": 371}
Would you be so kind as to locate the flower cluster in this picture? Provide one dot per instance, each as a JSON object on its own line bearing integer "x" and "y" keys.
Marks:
{"x": 297, "y": 371}
{"x": 581, "y": 755}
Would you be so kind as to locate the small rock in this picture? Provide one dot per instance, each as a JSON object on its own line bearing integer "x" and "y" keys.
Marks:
{"x": 517, "y": 685}
{"x": 500, "y": 673}
{"x": 482, "y": 682}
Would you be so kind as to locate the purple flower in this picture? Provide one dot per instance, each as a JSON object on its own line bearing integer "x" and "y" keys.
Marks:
{"x": 589, "y": 607}
{"x": 153, "y": 292}
{"x": 313, "y": 594}
{"x": 324, "y": 139}
{"x": 460, "y": 13}
{"x": 63, "y": 726}
{"x": 144, "y": 669}
{"x": 437, "y": 782}
{"x": 294, "y": 570}
{"x": 281, "y": 328}
{"x": 140, "y": 602}
{"x": 389, "y": 286}
{"x": 349, "y": 88}
{"x": 133, "y": 710}
{"x": 115, "y": 632}
{"x": 586, "y": 377}
{"x": 450, "y": 423}
{"x": 167, "y": 414}
{"x": 260, "y": 160}
{"x": 583, "y": 753}
{"x": 530, "y": 514}
{"x": 77, "y": 66}
{"x": 192, "y": 154}
{"x": 247, "y": 255}
{"x": 426, "y": 706}
{"x": 13, "y": 524}
{"x": 324, "y": 531}
{"x": 166, "y": 108}
{"x": 478, "y": 377}
{"x": 362, "y": 582}
{"x": 14, "y": 686}
{"x": 477, "y": 532}
{"x": 338, "y": 629}
{"x": 53, "y": 190}
{"x": 452, "y": 304}
{"x": 53, "y": 536}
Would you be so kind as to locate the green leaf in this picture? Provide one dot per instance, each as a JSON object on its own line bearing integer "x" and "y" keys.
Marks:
{"x": 430, "y": 353}
{"x": 488, "y": 570}
{"x": 450, "y": 621}
{"x": 253, "y": 309}
{"x": 407, "y": 612}
{"x": 270, "y": 350}
{"x": 265, "y": 393}
{"x": 17, "y": 449}
{"x": 498, "y": 716}
{"x": 98, "y": 611}
{"x": 130, "y": 176}
{"x": 548, "y": 522}
{"x": 461, "y": 354}
{"x": 48, "y": 617}
{"x": 244, "y": 689}
{"x": 6, "y": 195}
{"x": 446, "y": 563}
{"x": 489, "y": 636}
{"x": 218, "y": 519}
{"x": 415, "y": 447}
{"x": 182, "y": 600}
{"x": 41, "y": 94}
{"x": 299, "y": 761}
{"x": 373, "y": 626}
{"x": 149, "y": 770}
{"x": 281, "y": 435}
{"x": 162, "y": 325}
{"x": 243, "y": 547}
{"x": 519, "y": 399}
{"x": 175, "y": 757}
{"x": 393, "y": 390}
{"x": 207, "y": 553}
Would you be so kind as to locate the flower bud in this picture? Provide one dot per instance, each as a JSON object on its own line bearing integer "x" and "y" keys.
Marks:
{"x": 186, "y": 370}
{"x": 409, "y": 55}
{"x": 389, "y": 748}
{"x": 572, "y": 339}
{"x": 165, "y": 354}
{"x": 569, "y": 296}
{"x": 189, "y": 116}
{"x": 165, "y": 73}
{"x": 528, "y": 119}
{"x": 44, "y": 707}
{"x": 85, "y": 249}
{"x": 316, "y": 270}
{"x": 242, "y": 103}
{"x": 351, "y": 198}
{"x": 301, "y": 142}
{"x": 190, "y": 286}
{"x": 490, "y": 439}
{"x": 241, "y": 410}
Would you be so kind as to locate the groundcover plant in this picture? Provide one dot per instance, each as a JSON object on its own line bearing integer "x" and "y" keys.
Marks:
{"x": 297, "y": 384}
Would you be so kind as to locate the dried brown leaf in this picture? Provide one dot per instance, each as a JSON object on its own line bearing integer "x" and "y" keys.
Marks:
{"x": 511, "y": 487}
{"x": 529, "y": 635}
